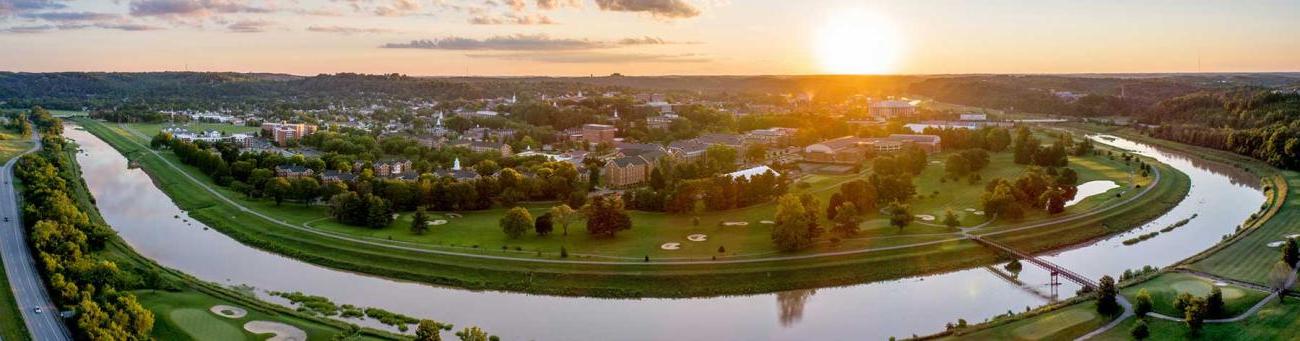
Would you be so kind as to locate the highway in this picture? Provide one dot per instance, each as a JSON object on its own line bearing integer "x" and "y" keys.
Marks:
{"x": 29, "y": 290}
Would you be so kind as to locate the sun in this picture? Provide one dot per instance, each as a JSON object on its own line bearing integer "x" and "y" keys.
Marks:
{"x": 857, "y": 42}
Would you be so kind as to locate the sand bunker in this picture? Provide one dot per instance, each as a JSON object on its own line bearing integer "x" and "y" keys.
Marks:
{"x": 1292, "y": 236}
{"x": 970, "y": 209}
{"x": 736, "y": 223}
{"x": 228, "y": 311}
{"x": 767, "y": 222}
{"x": 935, "y": 162}
{"x": 283, "y": 332}
{"x": 979, "y": 212}
{"x": 925, "y": 217}
{"x": 697, "y": 237}
{"x": 437, "y": 222}
{"x": 1220, "y": 284}
{"x": 454, "y": 215}
{"x": 1276, "y": 244}
{"x": 671, "y": 246}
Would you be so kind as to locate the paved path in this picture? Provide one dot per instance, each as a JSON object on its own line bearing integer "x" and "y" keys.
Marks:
{"x": 397, "y": 245}
{"x": 29, "y": 290}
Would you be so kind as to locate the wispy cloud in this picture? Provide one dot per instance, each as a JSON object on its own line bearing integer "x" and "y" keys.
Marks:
{"x": 249, "y": 26}
{"x": 347, "y": 30}
{"x": 512, "y": 19}
{"x": 520, "y": 42}
{"x": 69, "y": 27}
{"x": 670, "y": 9}
{"x": 553, "y": 4}
{"x": 11, "y": 7}
{"x": 596, "y": 57}
{"x": 191, "y": 8}
{"x": 70, "y": 16}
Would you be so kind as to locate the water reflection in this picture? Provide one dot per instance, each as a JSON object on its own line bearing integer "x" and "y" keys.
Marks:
{"x": 146, "y": 218}
{"x": 792, "y": 303}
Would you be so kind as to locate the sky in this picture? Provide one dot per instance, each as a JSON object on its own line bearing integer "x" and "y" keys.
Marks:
{"x": 649, "y": 37}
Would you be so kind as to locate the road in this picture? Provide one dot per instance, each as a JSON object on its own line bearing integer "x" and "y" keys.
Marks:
{"x": 29, "y": 290}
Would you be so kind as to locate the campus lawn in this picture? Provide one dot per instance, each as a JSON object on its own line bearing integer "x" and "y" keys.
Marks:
{"x": 1166, "y": 287}
{"x": 1062, "y": 324}
{"x": 1276, "y": 321}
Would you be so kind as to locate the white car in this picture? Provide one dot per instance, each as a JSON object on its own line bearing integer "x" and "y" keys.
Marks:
{"x": 38, "y": 310}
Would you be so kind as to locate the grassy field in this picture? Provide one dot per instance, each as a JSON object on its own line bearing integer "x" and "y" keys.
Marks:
{"x": 11, "y": 322}
{"x": 1075, "y": 319}
{"x": 1166, "y": 287}
{"x": 623, "y": 279}
{"x": 182, "y": 312}
{"x": 1276, "y": 321}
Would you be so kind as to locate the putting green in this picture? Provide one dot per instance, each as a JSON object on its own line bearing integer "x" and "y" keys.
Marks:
{"x": 1051, "y": 325}
{"x": 1202, "y": 288}
{"x": 202, "y": 325}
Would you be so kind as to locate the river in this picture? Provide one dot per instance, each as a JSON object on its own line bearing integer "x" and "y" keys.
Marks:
{"x": 147, "y": 219}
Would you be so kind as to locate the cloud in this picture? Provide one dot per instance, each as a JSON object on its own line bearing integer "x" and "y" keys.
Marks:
{"x": 69, "y": 27}
{"x": 347, "y": 30}
{"x": 671, "y": 9}
{"x": 11, "y": 7}
{"x": 517, "y": 42}
{"x": 596, "y": 57}
{"x": 71, "y": 16}
{"x": 190, "y": 8}
{"x": 522, "y": 42}
{"x": 398, "y": 8}
{"x": 516, "y": 5}
{"x": 521, "y": 19}
{"x": 553, "y": 4}
{"x": 249, "y": 26}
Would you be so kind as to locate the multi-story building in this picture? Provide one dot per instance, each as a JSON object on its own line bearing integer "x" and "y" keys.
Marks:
{"x": 282, "y": 133}
{"x": 852, "y": 149}
{"x": 661, "y": 121}
{"x": 293, "y": 171}
{"x": 598, "y": 133}
{"x": 891, "y": 109}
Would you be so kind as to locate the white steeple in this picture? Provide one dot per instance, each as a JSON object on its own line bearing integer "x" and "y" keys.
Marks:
{"x": 615, "y": 112}
{"x": 456, "y": 165}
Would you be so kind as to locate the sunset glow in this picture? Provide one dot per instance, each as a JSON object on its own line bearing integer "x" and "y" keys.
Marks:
{"x": 857, "y": 42}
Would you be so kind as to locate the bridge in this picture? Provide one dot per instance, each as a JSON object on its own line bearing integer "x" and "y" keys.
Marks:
{"x": 1056, "y": 270}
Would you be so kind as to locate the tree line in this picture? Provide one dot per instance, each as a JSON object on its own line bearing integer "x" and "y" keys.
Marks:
{"x": 66, "y": 241}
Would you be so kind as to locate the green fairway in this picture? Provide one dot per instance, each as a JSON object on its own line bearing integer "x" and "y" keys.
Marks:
{"x": 1276, "y": 321}
{"x": 615, "y": 267}
{"x": 1063, "y": 324}
{"x": 186, "y": 316}
{"x": 1166, "y": 287}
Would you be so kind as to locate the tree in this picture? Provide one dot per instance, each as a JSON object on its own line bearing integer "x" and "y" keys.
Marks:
{"x": 755, "y": 153}
{"x": 846, "y": 219}
{"x": 379, "y": 213}
{"x": 956, "y": 166}
{"x": 486, "y": 168}
{"x": 543, "y": 224}
{"x": 1214, "y": 302}
{"x": 791, "y": 230}
{"x": 1194, "y": 314}
{"x": 950, "y": 218}
{"x": 1182, "y": 301}
{"x": 1290, "y": 252}
{"x": 472, "y": 334}
{"x": 1106, "y": 293}
{"x": 419, "y": 221}
{"x": 428, "y": 330}
{"x": 1144, "y": 304}
{"x": 606, "y": 216}
{"x": 563, "y": 215}
{"x": 899, "y": 215}
{"x": 516, "y": 221}
{"x": 278, "y": 189}
{"x": 1140, "y": 331}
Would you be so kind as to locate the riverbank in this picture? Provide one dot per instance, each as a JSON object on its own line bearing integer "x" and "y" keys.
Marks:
{"x": 200, "y": 295}
{"x": 1242, "y": 256}
{"x": 494, "y": 269}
